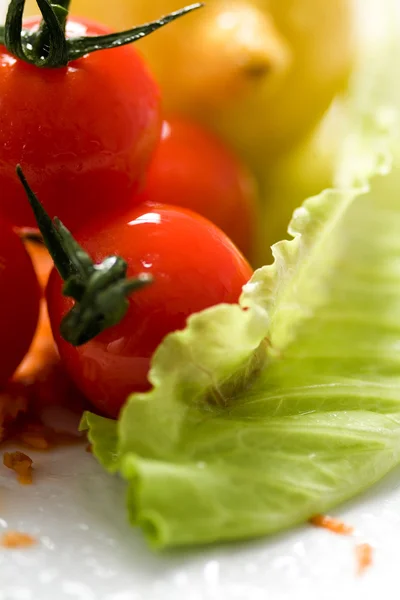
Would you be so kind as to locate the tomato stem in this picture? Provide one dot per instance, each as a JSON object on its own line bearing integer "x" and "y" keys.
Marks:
{"x": 50, "y": 235}
{"x": 48, "y": 47}
{"x": 24, "y": 47}
{"x": 100, "y": 290}
{"x": 42, "y": 40}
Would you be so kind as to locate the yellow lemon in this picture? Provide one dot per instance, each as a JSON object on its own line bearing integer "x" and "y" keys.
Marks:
{"x": 259, "y": 73}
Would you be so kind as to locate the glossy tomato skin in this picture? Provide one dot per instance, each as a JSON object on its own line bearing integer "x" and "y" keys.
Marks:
{"x": 83, "y": 134}
{"x": 19, "y": 301}
{"x": 194, "y": 265}
{"x": 192, "y": 168}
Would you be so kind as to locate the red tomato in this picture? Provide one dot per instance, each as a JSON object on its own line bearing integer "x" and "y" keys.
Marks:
{"x": 19, "y": 301}
{"x": 194, "y": 265}
{"x": 194, "y": 169}
{"x": 83, "y": 133}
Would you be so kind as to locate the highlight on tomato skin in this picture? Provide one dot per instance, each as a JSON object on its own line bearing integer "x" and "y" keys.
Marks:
{"x": 194, "y": 266}
{"x": 84, "y": 133}
{"x": 20, "y": 299}
{"x": 193, "y": 168}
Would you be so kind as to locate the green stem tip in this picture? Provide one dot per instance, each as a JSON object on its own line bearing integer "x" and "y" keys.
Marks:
{"x": 49, "y": 47}
{"x": 100, "y": 291}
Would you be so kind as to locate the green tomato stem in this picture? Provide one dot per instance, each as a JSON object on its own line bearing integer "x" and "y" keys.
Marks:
{"x": 25, "y": 47}
{"x": 42, "y": 39}
{"x": 50, "y": 235}
{"x": 48, "y": 47}
{"x": 100, "y": 291}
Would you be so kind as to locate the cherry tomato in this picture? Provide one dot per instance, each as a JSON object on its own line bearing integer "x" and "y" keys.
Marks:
{"x": 19, "y": 301}
{"x": 194, "y": 266}
{"x": 192, "y": 168}
{"x": 83, "y": 133}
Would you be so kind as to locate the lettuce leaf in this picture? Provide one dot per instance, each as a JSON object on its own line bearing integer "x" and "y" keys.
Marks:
{"x": 265, "y": 413}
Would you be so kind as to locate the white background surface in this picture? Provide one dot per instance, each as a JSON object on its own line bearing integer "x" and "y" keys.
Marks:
{"x": 86, "y": 551}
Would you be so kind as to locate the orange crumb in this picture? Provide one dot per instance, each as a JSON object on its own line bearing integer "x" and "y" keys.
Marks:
{"x": 89, "y": 448}
{"x": 41, "y": 260}
{"x": 15, "y": 539}
{"x": 21, "y": 464}
{"x": 42, "y": 353}
{"x": 43, "y": 349}
{"x": 33, "y": 440}
{"x": 364, "y": 557}
{"x": 332, "y": 524}
{"x": 41, "y": 437}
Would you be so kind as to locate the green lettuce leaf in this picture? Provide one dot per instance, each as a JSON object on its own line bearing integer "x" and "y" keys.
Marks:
{"x": 264, "y": 414}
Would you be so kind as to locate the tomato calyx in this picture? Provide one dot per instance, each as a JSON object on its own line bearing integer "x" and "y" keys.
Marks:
{"x": 49, "y": 47}
{"x": 100, "y": 291}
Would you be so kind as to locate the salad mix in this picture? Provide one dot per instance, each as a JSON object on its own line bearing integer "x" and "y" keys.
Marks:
{"x": 234, "y": 402}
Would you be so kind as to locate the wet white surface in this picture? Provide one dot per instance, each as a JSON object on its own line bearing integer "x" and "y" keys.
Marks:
{"x": 86, "y": 551}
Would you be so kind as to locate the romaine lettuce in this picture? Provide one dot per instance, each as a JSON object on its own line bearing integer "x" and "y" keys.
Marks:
{"x": 264, "y": 414}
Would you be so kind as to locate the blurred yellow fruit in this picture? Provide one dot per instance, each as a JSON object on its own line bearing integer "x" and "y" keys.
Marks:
{"x": 260, "y": 73}
{"x": 297, "y": 175}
